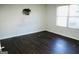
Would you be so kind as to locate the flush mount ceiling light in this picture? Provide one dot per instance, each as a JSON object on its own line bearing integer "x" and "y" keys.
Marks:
{"x": 26, "y": 11}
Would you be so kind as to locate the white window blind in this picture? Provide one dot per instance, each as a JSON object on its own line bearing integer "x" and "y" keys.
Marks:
{"x": 68, "y": 16}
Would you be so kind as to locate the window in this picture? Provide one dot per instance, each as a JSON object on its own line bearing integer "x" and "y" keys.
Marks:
{"x": 68, "y": 16}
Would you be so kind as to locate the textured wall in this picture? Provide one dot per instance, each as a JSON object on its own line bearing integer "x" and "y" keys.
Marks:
{"x": 14, "y": 23}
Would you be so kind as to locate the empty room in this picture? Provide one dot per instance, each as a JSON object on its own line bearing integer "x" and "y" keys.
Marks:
{"x": 39, "y": 29}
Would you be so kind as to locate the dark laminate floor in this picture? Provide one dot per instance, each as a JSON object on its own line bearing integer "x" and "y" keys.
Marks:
{"x": 41, "y": 43}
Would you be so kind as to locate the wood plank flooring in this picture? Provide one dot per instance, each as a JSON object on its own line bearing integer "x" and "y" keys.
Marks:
{"x": 41, "y": 43}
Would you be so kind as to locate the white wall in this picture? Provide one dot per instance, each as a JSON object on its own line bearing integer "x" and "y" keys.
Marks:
{"x": 42, "y": 17}
{"x": 51, "y": 24}
{"x": 14, "y": 23}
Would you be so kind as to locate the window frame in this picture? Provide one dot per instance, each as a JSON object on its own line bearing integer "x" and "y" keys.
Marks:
{"x": 68, "y": 18}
